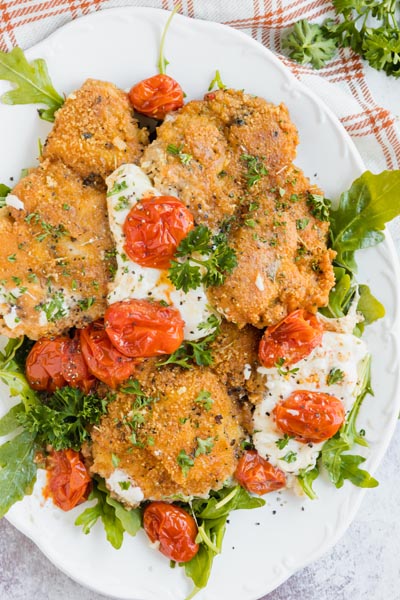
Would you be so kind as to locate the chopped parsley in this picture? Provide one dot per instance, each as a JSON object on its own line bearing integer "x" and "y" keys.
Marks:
{"x": 115, "y": 460}
{"x": 122, "y": 204}
{"x": 178, "y": 151}
{"x": 204, "y": 398}
{"x": 319, "y": 206}
{"x": 279, "y": 365}
{"x": 124, "y": 485}
{"x": 289, "y": 457}
{"x": 217, "y": 260}
{"x": 185, "y": 462}
{"x": 86, "y": 303}
{"x": 283, "y": 442}
{"x": 119, "y": 186}
{"x": 204, "y": 446}
{"x": 55, "y": 308}
{"x": 255, "y": 168}
{"x": 335, "y": 375}
{"x": 302, "y": 223}
{"x": 217, "y": 82}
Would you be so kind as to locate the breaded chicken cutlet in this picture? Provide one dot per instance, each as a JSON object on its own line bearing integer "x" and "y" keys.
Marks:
{"x": 181, "y": 435}
{"x": 229, "y": 159}
{"x": 57, "y": 247}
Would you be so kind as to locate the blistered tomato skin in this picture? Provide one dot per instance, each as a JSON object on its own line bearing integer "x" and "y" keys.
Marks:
{"x": 156, "y": 96}
{"x": 104, "y": 361}
{"x": 257, "y": 475}
{"x": 68, "y": 480}
{"x": 173, "y": 528}
{"x": 56, "y": 362}
{"x": 292, "y": 339}
{"x": 154, "y": 229}
{"x": 310, "y": 417}
{"x": 141, "y": 329}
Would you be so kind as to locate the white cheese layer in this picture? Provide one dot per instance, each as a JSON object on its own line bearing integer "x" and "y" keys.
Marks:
{"x": 341, "y": 351}
{"x": 127, "y": 185}
{"x": 125, "y": 488}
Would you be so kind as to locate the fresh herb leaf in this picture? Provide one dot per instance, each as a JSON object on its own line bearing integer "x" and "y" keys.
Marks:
{"x": 217, "y": 82}
{"x": 335, "y": 375}
{"x": 62, "y": 418}
{"x": 306, "y": 480}
{"x": 319, "y": 206}
{"x": 256, "y": 168}
{"x": 204, "y": 446}
{"x": 32, "y": 81}
{"x": 204, "y": 398}
{"x": 218, "y": 260}
{"x": 279, "y": 366}
{"x": 363, "y": 211}
{"x": 18, "y": 470}
{"x": 289, "y": 457}
{"x": 178, "y": 151}
{"x": 341, "y": 466}
{"x": 197, "y": 352}
{"x": 283, "y": 442}
{"x": 162, "y": 61}
{"x": 185, "y": 462}
{"x": 307, "y": 43}
{"x": 116, "y": 519}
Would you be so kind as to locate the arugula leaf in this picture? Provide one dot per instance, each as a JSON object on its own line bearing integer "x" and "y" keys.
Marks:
{"x": 342, "y": 466}
{"x": 9, "y": 422}
{"x": 358, "y": 222}
{"x": 4, "y": 191}
{"x": 33, "y": 84}
{"x": 218, "y": 260}
{"x": 211, "y": 516}
{"x": 18, "y": 470}
{"x": 116, "y": 519}
{"x": 307, "y": 43}
{"x": 62, "y": 421}
{"x": 306, "y": 479}
{"x": 342, "y": 296}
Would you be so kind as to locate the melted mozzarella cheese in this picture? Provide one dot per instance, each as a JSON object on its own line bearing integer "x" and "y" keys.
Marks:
{"x": 125, "y": 488}
{"x": 126, "y": 186}
{"x": 341, "y": 351}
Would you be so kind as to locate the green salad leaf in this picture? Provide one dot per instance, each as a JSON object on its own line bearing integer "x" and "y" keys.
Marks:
{"x": 18, "y": 470}
{"x": 341, "y": 466}
{"x": 115, "y": 518}
{"x": 211, "y": 515}
{"x": 363, "y": 211}
{"x": 306, "y": 480}
{"x": 10, "y": 422}
{"x": 32, "y": 83}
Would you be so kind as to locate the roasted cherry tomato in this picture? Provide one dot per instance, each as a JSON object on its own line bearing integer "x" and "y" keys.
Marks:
{"x": 103, "y": 359}
{"x": 141, "y": 329}
{"x": 154, "y": 229}
{"x": 156, "y": 96}
{"x": 309, "y": 416}
{"x": 291, "y": 339}
{"x": 174, "y": 528}
{"x": 53, "y": 363}
{"x": 68, "y": 480}
{"x": 257, "y": 475}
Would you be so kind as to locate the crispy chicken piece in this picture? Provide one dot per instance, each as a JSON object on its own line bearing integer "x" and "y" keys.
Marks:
{"x": 95, "y": 132}
{"x": 53, "y": 265}
{"x": 229, "y": 159}
{"x": 57, "y": 247}
{"x": 283, "y": 260}
{"x": 188, "y": 441}
{"x": 199, "y": 152}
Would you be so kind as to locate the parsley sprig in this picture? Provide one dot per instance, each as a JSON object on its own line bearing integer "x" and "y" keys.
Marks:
{"x": 207, "y": 259}
{"x": 369, "y": 27}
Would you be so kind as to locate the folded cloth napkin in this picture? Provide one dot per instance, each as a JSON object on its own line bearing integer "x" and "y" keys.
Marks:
{"x": 345, "y": 84}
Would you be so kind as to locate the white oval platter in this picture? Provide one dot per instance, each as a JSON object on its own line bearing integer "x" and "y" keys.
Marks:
{"x": 262, "y": 547}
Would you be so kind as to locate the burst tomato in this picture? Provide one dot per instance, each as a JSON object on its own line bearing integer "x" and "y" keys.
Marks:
{"x": 291, "y": 339}
{"x": 174, "y": 528}
{"x": 53, "y": 363}
{"x": 156, "y": 96}
{"x": 68, "y": 480}
{"x": 309, "y": 416}
{"x": 104, "y": 361}
{"x": 154, "y": 229}
{"x": 257, "y": 475}
{"x": 141, "y": 329}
